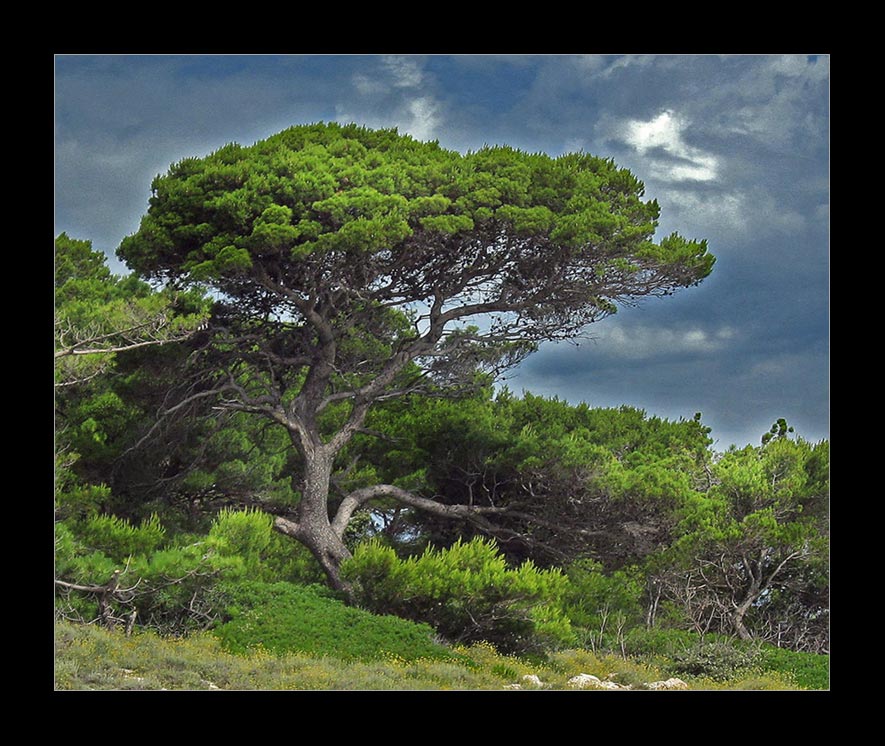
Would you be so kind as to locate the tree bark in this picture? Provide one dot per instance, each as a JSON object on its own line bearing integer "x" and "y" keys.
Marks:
{"x": 312, "y": 526}
{"x": 324, "y": 545}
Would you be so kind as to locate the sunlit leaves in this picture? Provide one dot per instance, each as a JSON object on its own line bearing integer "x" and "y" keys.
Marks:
{"x": 329, "y": 177}
{"x": 757, "y": 536}
{"x": 466, "y": 591}
{"x": 97, "y": 313}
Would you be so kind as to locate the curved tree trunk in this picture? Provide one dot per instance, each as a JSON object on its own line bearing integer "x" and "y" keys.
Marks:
{"x": 737, "y": 621}
{"x": 325, "y": 546}
{"x": 312, "y": 526}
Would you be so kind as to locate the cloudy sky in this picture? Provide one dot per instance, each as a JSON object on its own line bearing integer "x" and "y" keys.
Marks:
{"x": 734, "y": 148}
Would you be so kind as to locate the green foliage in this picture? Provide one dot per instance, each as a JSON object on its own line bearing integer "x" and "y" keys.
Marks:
{"x": 323, "y": 188}
{"x": 584, "y": 472}
{"x": 119, "y": 539}
{"x": 285, "y": 560}
{"x": 603, "y": 606}
{"x": 244, "y": 534}
{"x": 74, "y": 500}
{"x": 103, "y": 323}
{"x": 757, "y": 537}
{"x": 808, "y": 670}
{"x": 657, "y": 642}
{"x": 97, "y": 312}
{"x": 174, "y": 583}
{"x": 466, "y": 592}
{"x": 282, "y": 618}
{"x": 715, "y": 660}
{"x": 779, "y": 429}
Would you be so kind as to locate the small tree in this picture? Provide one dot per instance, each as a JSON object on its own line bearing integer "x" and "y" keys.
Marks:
{"x": 98, "y": 314}
{"x": 352, "y": 266}
{"x": 756, "y": 544}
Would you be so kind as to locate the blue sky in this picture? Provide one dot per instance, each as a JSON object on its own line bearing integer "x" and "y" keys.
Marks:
{"x": 735, "y": 148}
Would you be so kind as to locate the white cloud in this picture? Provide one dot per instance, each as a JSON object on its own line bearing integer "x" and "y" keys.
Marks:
{"x": 419, "y": 117}
{"x": 664, "y": 132}
{"x": 769, "y": 102}
{"x": 592, "y": 63}
{"x": 745, "y": 214}
{"x": 604, "y": 65}
{"x": 405, "y": 71}
{"x": 637, "y": 342}
{"x": 396, "y": 93}
{"x": 424, "y": 120}
{"x": 367, "y": 86}
{"x": 801, "y": 66}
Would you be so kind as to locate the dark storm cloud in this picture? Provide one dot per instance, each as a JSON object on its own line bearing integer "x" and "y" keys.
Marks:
{"x": 121, "y": 120}
{"x": 734, "y": 148}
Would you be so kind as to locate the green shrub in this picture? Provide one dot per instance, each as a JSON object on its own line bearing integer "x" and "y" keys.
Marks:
{"x": 246, "y": 546}
{"x": 808, "y": 670}
{"x": 466, "y": 592}
{"x": 662, "y": 643}
{"x": 715, "y": 660}
{"x": 281, "y": 618}
{"x": 74, "y": 501}
{"x": 178, "y": 591}
{"x": 119, "y": 539}
{"x": 290, "y": 561}
{"x": 243, "y": 534}
{"x": 595, "y": 602}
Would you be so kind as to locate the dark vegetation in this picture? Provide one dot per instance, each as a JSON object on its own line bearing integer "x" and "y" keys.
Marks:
{"x": 291, "y": 440}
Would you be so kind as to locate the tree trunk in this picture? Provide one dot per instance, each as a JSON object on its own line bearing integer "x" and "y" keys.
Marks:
{"x": 737, "y": 619}
{"x": 313, "y": 527}
{"x": 654, "y": 593}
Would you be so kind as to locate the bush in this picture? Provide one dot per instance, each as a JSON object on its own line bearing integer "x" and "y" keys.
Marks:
{"x": 808, "y": 670}
{"x": 716, "y": 660}
{"x": 174, "y": 589}
{"x": 658, "y": 643}
{"x": 282, "y": 618}
{"x": 247, "y": 547}
{"x": 119, "y": 539}
{"x": 242, "y": 532}
{"x": 466, "y": 592}
{"x": 592, "y": 594}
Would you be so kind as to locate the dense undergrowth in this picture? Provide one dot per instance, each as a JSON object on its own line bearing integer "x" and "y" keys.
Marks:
{"x": 449, "y": 619}
{"x": 282, "y": 617}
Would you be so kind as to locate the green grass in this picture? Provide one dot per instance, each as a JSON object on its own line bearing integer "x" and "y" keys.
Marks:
{"x": 88, "y": 657}
{"x": 718, "y": 661}
{"x": 808, "y": 670}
